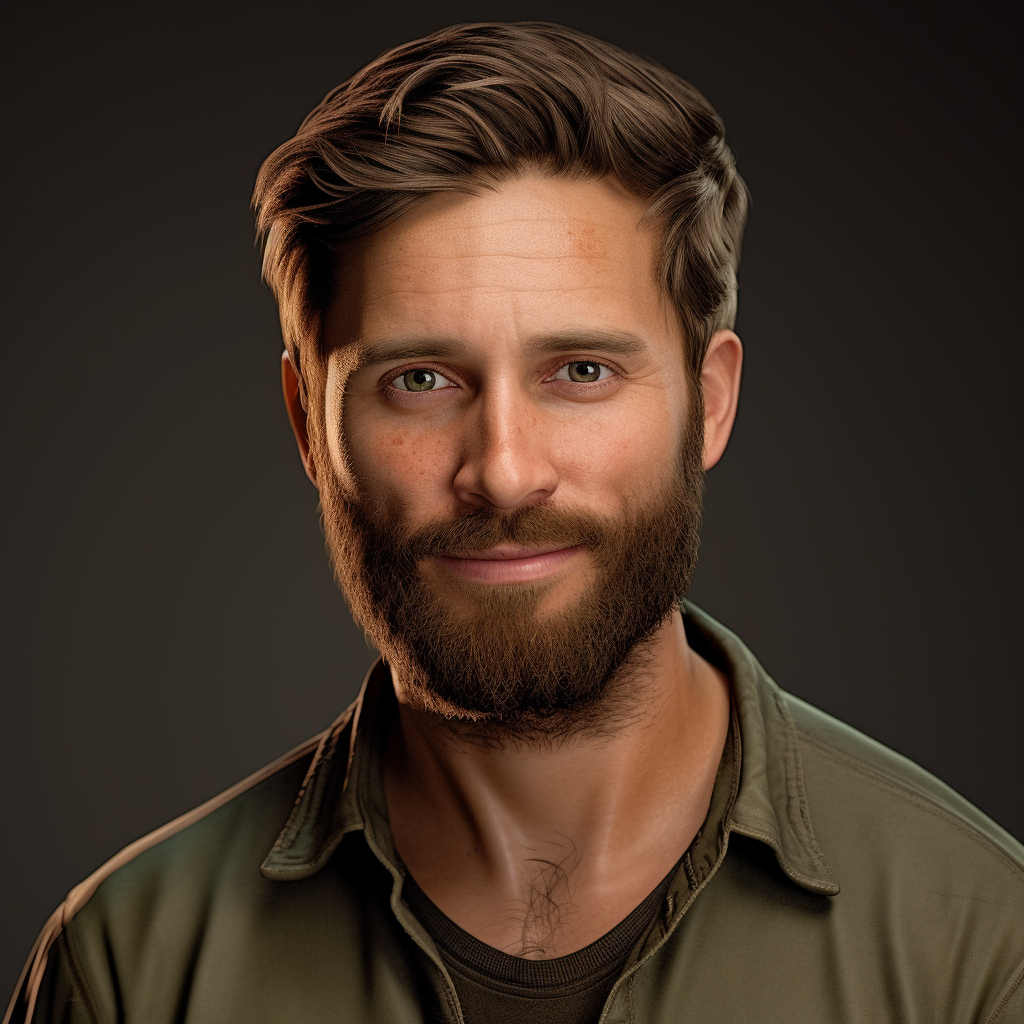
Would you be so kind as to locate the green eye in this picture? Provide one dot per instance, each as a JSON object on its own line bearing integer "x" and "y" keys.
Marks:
{"x": 583, "y": 372}
{"x": 420, "y": 379}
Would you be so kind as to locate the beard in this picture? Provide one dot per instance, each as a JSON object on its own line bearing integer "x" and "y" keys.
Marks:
{"x": 486, "y": 658}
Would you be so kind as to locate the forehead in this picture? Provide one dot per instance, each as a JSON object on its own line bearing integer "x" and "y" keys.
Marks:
{"x": 536, "y": 253}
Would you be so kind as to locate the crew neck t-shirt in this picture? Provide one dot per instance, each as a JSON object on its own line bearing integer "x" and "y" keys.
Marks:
{"x": 496, "y": 988}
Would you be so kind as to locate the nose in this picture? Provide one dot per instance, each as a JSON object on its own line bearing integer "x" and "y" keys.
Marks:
{"x": 506, "y": 457}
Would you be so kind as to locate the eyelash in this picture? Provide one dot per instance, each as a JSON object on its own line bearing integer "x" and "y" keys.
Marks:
{"x": 591, "y": 385}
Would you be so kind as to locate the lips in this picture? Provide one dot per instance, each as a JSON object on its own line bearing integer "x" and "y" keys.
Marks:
{"x": 510, "y": 563}
{"x": 506, "y": 552}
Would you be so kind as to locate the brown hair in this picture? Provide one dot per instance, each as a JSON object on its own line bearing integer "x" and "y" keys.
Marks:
{"x": 471, "y": 104}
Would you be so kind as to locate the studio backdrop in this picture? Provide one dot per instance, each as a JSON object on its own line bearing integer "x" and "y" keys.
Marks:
{"x": 172, "y": 624}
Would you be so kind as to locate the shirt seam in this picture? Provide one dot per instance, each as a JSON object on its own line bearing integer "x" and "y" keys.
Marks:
{"x": 461, "y": 965}
{"x": 794, "y": 765}
{"x": 447, "y": 988}
{"x": 451, "y": 998}
{"x": 77, "y": 972}
{"x": 886, "y": 781}
{"x": 628, "y": 978}
{"x": 562, "y": 990}
{"x": 1007, "y": 995}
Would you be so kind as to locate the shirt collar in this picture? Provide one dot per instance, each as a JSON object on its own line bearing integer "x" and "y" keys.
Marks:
{"x": 343, "y": 789}
{"x": 771, "y": 803}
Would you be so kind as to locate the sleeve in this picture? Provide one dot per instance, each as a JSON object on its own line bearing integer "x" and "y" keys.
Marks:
{"x": 50, "y": 990}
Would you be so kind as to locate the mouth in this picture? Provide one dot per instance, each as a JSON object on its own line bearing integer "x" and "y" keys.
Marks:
{"x": 508, "y": 563}
{"x": 511, "y": 552}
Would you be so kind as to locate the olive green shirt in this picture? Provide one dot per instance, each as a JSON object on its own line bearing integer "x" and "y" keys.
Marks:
{"x": 832, "y": 881}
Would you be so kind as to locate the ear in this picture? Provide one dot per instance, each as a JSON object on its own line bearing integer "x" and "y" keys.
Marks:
{"x": 720, "y": 380}
{"x": 296, "y": 414}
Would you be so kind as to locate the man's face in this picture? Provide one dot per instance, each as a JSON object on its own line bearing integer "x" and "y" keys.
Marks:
{"x": 506, "y": 377}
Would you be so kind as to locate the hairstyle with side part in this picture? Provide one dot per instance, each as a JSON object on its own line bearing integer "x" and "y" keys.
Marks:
{"x": 471, "y": 105}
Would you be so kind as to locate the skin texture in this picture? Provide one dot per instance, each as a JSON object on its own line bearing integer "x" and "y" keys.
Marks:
{"x": 537, "y": 848}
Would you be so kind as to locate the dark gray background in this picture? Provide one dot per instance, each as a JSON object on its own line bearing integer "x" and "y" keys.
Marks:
{"x": 172, "y": 624}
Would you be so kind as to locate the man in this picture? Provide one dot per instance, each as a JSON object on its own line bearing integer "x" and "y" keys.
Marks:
{"x": 505, "y": 260}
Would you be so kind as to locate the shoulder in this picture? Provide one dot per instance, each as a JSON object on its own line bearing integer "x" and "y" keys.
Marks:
{"x": 931, "y": 889}
{"x": 234, "y": 828}
{"x": 856, "y": 784}
{"x": 924, "y": 875}
{"x": 154, "y": 896}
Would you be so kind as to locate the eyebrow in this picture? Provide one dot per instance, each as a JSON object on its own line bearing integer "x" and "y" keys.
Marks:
{"x": 620, "y": 343}
{"x": 614, "y": 342}
{"x": 377, "y": 352}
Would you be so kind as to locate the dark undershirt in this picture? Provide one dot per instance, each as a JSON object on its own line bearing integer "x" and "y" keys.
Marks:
{"x": 496, "y": 988}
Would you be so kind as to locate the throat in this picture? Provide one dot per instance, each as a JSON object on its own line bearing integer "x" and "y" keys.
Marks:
{"x": 546, "y": 924}
{"x": 539, "y": 852}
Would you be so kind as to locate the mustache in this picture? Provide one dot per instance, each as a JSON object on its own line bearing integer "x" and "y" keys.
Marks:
{"x": 478, "y": 529}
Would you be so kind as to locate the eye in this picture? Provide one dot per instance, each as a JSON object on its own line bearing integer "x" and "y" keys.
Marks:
{"x": 583, "y": 371}
{"x": 420, "y": 379}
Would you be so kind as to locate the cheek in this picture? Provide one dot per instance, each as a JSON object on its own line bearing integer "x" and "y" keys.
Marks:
{"x": 371, "y": 455}
{"x": 628, "y": 453}
{"x": 394, "y": 464}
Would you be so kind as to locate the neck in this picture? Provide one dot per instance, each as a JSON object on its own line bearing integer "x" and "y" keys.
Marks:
{"x": 535, "y": 846}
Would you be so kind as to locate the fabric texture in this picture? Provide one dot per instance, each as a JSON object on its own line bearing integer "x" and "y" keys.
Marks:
{"x": 836, "y": 881}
